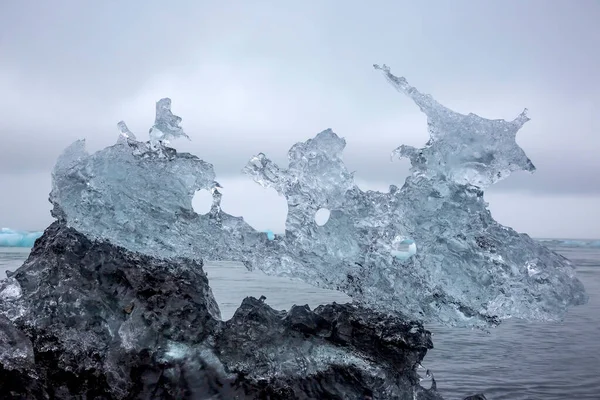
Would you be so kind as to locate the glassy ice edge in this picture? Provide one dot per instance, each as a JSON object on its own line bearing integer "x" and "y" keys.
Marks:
{"x": 429, "y": 250}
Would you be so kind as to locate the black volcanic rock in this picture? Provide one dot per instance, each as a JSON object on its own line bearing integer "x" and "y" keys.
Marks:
{"x": 89, "y": 320}
{"x": 338, "y": 351}
{"x": 98, "y": 315}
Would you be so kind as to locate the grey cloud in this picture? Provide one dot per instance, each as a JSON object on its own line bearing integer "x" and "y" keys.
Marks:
{"x": 262, "y": 75}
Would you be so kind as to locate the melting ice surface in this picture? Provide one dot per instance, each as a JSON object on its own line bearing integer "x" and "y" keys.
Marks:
{"x": 11, "y": 238}
{"x": 429, "y": 250}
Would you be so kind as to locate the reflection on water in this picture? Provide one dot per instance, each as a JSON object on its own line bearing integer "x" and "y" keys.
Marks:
{"x": 517, "y": 360}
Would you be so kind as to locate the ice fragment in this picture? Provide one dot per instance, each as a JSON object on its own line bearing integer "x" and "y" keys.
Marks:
{"x": 468, "y": 270}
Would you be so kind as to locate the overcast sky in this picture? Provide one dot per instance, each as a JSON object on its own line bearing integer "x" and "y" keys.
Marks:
{"x": 252, "y": 76}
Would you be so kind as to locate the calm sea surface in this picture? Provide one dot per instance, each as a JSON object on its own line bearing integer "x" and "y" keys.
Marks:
{"x": 516, "y": 361}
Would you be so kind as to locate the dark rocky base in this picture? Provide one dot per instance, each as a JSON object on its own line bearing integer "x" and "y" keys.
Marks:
{"x": 89, "y": 320}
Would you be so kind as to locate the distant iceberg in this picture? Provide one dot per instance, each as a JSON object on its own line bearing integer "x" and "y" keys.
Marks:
{"x": 595, "y": 243}
{"x": 10, "y": 238}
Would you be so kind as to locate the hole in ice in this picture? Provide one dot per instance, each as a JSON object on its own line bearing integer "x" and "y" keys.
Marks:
{"x": 322, "y": 216}
{"x": 231, "y": 282}
{"x": 403, "y": 248}
{"x": 202, "y": 202}
{"x": 262, "y": 208}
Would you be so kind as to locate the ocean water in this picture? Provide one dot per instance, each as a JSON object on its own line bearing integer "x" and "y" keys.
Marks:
{"x": 516, "y": 361}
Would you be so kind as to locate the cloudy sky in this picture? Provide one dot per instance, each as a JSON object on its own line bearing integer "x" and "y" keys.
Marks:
{"x": 252, "y": 76}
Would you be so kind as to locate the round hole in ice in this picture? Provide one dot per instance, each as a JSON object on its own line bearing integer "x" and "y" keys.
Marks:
{"x": 322, "y": 216}
{"x": 202, "y": 201}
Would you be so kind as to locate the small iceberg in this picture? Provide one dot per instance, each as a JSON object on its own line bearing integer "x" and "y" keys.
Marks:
{"x": 589, "y": 243}
{"x": 11, "y": 238}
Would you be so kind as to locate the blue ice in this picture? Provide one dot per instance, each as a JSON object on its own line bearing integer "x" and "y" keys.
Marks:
{"x": 589, "y": 243}
{"x": 11, "y": 238}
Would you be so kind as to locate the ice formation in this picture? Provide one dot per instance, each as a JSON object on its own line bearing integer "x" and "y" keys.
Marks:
{"x": 464, "y": 149}
{"x": 11, "y": 238}
{"x": 429, "y": 249}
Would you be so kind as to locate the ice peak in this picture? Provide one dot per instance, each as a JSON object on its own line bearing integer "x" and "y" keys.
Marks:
{"x": 466, "y": 149}
{"x": 125, "y": 132}
{"x": 166, "y": 126}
